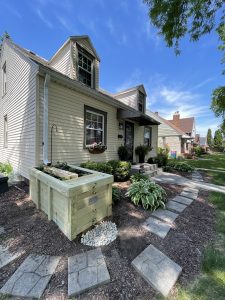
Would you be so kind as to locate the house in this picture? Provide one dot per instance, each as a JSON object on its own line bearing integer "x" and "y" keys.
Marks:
{"x": 171, "y": 136}
{"x": 203, "y": 143}
{"x": 54, "y": 110}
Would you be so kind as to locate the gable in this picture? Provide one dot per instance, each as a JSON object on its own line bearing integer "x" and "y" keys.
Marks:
{"x": 85, "y": 42}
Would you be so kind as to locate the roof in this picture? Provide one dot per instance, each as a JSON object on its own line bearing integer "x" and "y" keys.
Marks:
{"x": 185, "y": 124}
{"x": 135, "y": 88}
{"x": 168, "y": 123}
{"x": 100, "y": 95}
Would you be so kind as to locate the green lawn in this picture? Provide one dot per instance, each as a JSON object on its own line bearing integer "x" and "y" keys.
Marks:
{"x": 212, "y": 161}
{"x": 217, "y": 177}
{"x": 211, "y": 284}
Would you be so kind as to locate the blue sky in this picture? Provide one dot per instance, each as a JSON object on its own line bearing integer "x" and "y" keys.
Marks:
{"x": 131, "y": 52}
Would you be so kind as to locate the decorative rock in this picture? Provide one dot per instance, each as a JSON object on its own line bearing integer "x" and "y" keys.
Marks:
{"x": 157, "y": 269}
{"x": 85, "y": 271}
{"x": 32, "y": 277}
{"x": 189, "y": 195}
{"x": 183, "y": 200}
{"x": 175, "y": 206}
{"x": 6, "y": 257}
{"x": 157, "y": 227}
{"x": 102, "y": 234}
{"x": 165, "y": 215}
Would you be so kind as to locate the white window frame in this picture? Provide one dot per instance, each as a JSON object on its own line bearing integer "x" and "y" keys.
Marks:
{"x": 79, "y": 67}
{"x": 141, "y": 100}
{"x": 5, "y": 131}
{"x": 4, "y": 79}
{"x": 95, "y": 129}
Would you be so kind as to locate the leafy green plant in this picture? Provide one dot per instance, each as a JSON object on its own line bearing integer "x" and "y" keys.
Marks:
{"x": 198, "y": 151}
{"x": 6, "y": 168}
{"x": 103, "y": 167}
{"x": 149, "y": 194}
{"x": 178, "y": 166}
{"x": 116, "y": 194}
{"x": 141, "y": 151}
{"x": 123, "y": 153}
{"x": 120, "y": 169}
{"x": 137, "y": 177}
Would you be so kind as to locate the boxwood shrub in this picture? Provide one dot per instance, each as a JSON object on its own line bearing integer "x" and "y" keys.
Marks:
{"x": 98, "y": 166}
{"x": 147, "y": 193}
{"x": 178, "y": 166}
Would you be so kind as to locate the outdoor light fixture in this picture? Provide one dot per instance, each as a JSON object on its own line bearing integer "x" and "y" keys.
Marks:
{"x": 120, "y": 125}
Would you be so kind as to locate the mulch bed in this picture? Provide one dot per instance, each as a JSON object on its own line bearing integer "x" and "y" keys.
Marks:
{"x": 29, "y": 229}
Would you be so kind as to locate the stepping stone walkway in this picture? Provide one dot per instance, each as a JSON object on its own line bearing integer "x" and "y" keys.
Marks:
{"x": 173, "y": 205}
{"x": 191, "y": 190}
{"x": 193, "y": 196}
{"x": 157, "y": 269}
{"x": 196, "y": 176}
{"x": 183, "y": 200}
{"x": 6, "y": 257}
{"x": 165, "y": 215}
{"x": 85, "y": 271}
{"x": 157, "y": 227}
{"x": 2, "y": 230}
{"x": 32, "y": 277}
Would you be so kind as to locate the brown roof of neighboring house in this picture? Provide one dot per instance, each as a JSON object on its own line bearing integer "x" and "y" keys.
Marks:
{"x": 185, "y": 124}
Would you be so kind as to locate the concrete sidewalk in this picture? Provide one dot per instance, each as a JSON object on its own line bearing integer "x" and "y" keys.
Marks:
{"x": 211, "y": 170}
{"x": 179, "y": 180}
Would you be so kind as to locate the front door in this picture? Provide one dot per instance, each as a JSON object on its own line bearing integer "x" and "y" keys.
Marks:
{"x": 129, "y": 139}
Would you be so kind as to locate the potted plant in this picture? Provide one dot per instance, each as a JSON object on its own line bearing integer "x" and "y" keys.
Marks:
{"x": 123, "y": 153}
{"x": 141, "y": 151}
{"x": 97, "y": 148}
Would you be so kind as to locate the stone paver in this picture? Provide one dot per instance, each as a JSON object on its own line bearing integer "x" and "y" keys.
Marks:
{"x": 191, "y": 190}
{"x": 165, "y": 215}
{"x": 2, "y": 230}
{"x": 6, "y": 257}
{"x": 157, "y": 269}
{"x": 86, "y": 270}
{"x": 183, "y": 200}
{"x": 175, "y": 206}
{"x": 157, "y": 227}
{"x": 32, "y": 277}
{"x": 193, "y": 196}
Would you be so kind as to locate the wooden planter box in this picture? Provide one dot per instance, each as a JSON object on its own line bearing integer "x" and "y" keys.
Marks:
{"x": 75, "y": 204}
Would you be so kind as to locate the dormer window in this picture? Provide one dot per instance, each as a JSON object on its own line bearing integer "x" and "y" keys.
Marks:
{"x": 141, "y": 102}
{"x": 84, "y": 69}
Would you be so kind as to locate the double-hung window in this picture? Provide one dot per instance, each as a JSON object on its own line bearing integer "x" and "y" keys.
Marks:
{"x": 141, "y": 102}
{"x": 4, "y": 79}
{"x": 84, "y": 69}
{"x": 95, "y": 126}
{"x": 5, "y": 131}
{"x": 148, "y": 136}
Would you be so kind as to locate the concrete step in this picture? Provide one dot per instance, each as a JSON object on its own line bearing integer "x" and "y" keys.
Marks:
{"x": 151, "y": 173}
{"x": 143, "y": 167}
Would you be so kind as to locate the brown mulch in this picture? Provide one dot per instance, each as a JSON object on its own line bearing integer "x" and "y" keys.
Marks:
{"x": 29, "y": 229}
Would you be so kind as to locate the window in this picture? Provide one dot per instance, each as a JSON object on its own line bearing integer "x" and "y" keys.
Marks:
{"x": 5, "y": 131}
{"x": 148, "y": 136}
{"x": 95, "y": 126}
{"x": 141, "y": 102}
{"x": 84, "y": 69}
{"x": 4, "y": 79}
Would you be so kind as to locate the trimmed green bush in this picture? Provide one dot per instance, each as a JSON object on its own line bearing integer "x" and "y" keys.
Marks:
{"x": 137, "y": 177}
{"x": 120, "y": 169}
{"x": 147, "y": 193}
{"x": 6, "y": 168}
{"x": 103, "y": 167}
{"x": 178, "y": 166}
{"x": 116, "y": 194}
{"x": 123, "y": 153}
{"x": 198, "y": 151}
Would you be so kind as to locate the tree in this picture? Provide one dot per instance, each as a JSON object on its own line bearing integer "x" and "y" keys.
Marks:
{"x": 209, "y": 138}
{"x": 218, "y": 139}
{"x": 4, "y": 36}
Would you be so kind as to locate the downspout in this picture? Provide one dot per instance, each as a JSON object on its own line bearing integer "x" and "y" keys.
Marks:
{"x": 45, "y": 121}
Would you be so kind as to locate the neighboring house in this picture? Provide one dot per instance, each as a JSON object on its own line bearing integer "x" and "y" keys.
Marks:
{"x": 36, "y": 93}
{"x": 203, "y": 143}
{"x": 171, "y": 136}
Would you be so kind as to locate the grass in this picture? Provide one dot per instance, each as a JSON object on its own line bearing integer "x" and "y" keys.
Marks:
{"x": 210, "y": 285}
{"x": 213, "y": 161}
{"x": 217, "y": 177}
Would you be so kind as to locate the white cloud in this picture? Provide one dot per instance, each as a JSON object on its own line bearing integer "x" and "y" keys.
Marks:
{"x": 132, "y": 81}
{"x": 177, "y": 96}
{"x": 110, "y": 26}
{"x": 203, "y": 83}
{"x": 65, "y": 23}
{"x": 44, "y": 19}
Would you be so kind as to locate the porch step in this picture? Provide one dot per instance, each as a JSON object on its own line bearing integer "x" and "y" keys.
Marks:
{"x": 145, "y": 168}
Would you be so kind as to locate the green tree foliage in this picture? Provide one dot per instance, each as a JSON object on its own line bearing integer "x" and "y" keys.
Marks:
{"x": 209, "y": 137}
{"x": 218, "y": 139}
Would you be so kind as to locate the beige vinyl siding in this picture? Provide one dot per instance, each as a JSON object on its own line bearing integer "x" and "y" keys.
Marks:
{"x": 66, "y": 110}
{"x": 85, "y": 44}
{"x": 129, "y": 98}
{"x": 174, "y": 143}
{"x": 19, "y": 104}
{"x": 62, "y": 61}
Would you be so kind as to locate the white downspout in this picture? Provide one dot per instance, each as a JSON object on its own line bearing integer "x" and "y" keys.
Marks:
{"x": 45, "y": 121}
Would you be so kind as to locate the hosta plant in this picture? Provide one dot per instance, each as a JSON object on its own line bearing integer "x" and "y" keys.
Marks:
{"x": 148, "y": 194}
{"x": 137, "y": 177}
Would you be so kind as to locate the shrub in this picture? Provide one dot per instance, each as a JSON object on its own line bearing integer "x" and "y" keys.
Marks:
{"x": 120, "y": 169}
{"x": 147, "y": 193}
{"x": 6, "y": 168}
{"x": 116, "y": 194}
{"x": 141, "y": 151}
{"x": 178, "y": 166}
{"x": 198, "y": 151}
{"x": 123, "y": 153}
{"x": 137, "y": 177}
{"x": 103, "y": 167}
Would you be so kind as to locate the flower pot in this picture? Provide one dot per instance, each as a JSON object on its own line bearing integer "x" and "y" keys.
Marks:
{"x": 96, "y": 150}
{"x": 141, "y": 158}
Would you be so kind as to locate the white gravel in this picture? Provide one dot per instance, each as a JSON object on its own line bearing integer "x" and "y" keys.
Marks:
{"x": 102, "y": 234}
